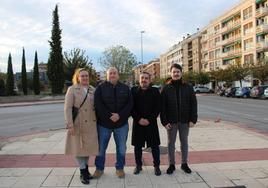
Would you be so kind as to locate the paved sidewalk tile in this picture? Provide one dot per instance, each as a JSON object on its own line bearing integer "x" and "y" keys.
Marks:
{"x": 249, "y": 183}
{"x": 29, "y": 182}
{"x": 8, "y": 181}
{"x": 57, "y": 181}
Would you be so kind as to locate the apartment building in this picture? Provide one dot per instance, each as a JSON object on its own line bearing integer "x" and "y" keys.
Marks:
{"x": 239, "y": 35}
{"x": 153, "y": 68}
{"x": 137, "y": 70}
{"x": 192, "y": 52}
{"x": 173, "y": 55}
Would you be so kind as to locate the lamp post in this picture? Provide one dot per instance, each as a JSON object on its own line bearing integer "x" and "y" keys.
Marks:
{"x": 142, "y": 47}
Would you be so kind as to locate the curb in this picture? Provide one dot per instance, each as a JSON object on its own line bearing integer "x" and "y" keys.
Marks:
{"x": 30, "y": 103}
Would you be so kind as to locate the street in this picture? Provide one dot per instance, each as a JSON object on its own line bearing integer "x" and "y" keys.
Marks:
{"x": 23, "y": 120}
{"x": 250, "y": 112}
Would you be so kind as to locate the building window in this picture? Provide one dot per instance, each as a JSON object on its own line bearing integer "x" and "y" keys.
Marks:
{"x": 217, "y": 53}
{"x": 211, "y": 44}
{"x": 217, "y": 41}
{"x": 248, "y": 59}
{"x": 248, "y": 28}
{"x": 248, "y": 44}
{"x": 211, "y": 55}
{"x": 217, "y": 28}
{"x": 247, "y": 13}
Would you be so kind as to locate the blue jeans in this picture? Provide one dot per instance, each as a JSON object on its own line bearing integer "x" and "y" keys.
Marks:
{"x": 120, "y": 137}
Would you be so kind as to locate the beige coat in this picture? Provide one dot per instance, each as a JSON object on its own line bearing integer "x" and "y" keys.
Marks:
{"x": 85, "y": 140}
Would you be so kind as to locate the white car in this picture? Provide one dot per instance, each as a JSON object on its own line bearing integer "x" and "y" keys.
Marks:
{"x": 201, "y": 89}
{"x": 265, "y": 94}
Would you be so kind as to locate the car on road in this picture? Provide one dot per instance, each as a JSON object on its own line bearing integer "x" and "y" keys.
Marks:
{"x": 258, "y": 91}
{"x": 230, "y": 92}
{"x": 243, "y": 92}
{"x": 265, "y": 93}
{"x": 201, "y": 89}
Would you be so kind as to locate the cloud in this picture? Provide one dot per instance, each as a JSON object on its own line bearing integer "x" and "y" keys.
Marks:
{"x": 94, "y": 25}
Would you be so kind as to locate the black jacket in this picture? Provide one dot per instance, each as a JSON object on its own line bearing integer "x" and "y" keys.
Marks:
{"x": 178, "y": 105}
{"x": 146, "y": 104}
{"x": 110, "y": 99}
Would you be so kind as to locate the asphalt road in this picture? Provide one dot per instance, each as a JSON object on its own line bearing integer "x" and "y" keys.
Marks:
{"x": 23, "y": 120}
{"x": 26, "y": 119}
{"x": 250, "y": 112}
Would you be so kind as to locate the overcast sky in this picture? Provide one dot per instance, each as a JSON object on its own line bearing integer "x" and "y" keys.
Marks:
{"x": 94, "y": 25}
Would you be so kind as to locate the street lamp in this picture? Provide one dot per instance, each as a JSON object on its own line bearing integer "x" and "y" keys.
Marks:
{"x": 142, "y": 47}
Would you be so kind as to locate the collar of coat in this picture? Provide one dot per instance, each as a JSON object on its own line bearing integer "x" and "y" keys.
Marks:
{"x": 169, "y": 82}
{"x": 139, "y": 88}
{"x": 79, "y": 87}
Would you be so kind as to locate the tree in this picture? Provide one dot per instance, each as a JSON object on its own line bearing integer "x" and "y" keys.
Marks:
{"x": 238, "y": 72}
{"x": 2, "y": 84}
{"x": 121, "y": 58}
{"x": 260, "y": 70}
{"x": 202, "y": 78}
{"x": 10, "y": 77}
{"x": 55, "y": 69}
{"x": 189, "y": 77}
{"x": 23, "y": 73}
{"x": 36, "y": 81}
{"x": 75, "y": 59}
{"x": 215, "y": 75}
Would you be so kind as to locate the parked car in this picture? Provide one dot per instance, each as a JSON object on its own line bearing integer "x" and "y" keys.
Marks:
{"x": 230, "y": 92}
{"x": 243, "y": 92}
{"x": 258, "y": 91}
{"x": 201, "y": 89}
{"x": 265, "y": 93}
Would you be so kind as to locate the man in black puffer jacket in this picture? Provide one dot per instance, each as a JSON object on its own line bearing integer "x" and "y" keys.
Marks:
{"x": 178, "y": 113}
{"x": 113, "y": 104}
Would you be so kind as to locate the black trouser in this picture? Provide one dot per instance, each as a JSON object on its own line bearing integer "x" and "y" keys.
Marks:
{"x": 155, "y": 153}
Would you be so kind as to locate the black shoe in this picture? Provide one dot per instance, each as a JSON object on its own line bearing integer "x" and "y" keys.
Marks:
{"x": 137, "y": 170}
{"x": 186, "y": 168}
{"x": 84, "y": 176}
{"x": 171, "y": 169}
{"x": 88, "y": 174}
{"x": 157, "y": 171}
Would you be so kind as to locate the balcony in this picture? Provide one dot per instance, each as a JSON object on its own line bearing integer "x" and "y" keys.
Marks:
{"x": 231, "y": 53}
{"x": 262, "y": 45}
{"x": 262, "y": 28}
{"x": 230, "y": 27}
{"x": 230, "y": 40}
{"x": 261, "y": 11}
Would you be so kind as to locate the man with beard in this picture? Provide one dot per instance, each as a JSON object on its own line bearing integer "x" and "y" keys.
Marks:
{"x": 146, "y": 108}
{"x": 178, "y": 113}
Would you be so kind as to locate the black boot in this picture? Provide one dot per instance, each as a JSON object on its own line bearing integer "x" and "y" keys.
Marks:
{"x": 171, "y": 169}
{"x": 185, "y": 168}
{"x": 88, "y": 173}
{"x": 137, "y": 170}
{"x": 84, "y": 176}
{"x": 157, "y": 171}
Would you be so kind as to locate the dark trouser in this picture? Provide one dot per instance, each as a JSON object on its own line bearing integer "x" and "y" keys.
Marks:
{"x": 155, "y": 153}
{"x": 183, "y": 129}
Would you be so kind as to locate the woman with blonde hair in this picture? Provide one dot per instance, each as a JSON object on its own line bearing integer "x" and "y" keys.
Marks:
{"x": 82, "y": 138}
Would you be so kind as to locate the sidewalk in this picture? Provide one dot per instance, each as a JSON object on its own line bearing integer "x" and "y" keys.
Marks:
{"x": 222, "y": 154}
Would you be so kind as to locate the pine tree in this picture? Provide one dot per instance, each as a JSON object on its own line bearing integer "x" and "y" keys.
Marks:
{"x": 24, "y": 74}
{"x": 55, "y": 69}
{"x": 36, "y": 82}
{"x": 10, "y": 77}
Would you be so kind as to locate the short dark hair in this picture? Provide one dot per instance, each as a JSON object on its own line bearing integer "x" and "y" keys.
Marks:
{"x": 144, "y": 72}
{"x": 176, "y": 66}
